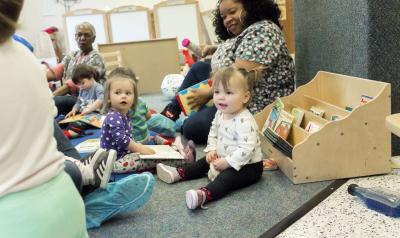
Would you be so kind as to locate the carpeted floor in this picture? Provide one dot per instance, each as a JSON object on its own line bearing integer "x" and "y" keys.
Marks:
{"x": 245, "y": 213}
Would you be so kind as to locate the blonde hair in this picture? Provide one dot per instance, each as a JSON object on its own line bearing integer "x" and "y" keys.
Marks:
{"x": 9, "y": 13}
{"x": 120, "y": 73}
{"x": 247, "y": 78}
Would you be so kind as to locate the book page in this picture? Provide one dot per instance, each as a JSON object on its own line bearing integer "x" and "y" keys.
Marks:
{"x": 162, "y": 152}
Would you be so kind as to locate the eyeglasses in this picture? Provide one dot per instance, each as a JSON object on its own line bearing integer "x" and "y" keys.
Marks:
{"x": 80, "y": 34}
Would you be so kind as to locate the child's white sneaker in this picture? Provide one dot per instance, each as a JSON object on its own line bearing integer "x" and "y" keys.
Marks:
{"x": 96, "y": 169}
{"x": 167, "y": 173}
{"x": 195, "y": 199}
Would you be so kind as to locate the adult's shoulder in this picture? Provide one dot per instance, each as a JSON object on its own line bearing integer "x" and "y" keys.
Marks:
{"x": 260, "y": 28}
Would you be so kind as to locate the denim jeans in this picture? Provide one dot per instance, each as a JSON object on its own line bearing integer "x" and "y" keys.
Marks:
{"x": 64, "y": 104}
{"x": 197, "y": 126}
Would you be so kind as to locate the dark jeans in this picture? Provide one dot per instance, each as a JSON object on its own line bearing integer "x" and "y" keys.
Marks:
{"x": 64, "y": 104}
{"x": 228, "y": 180}
{"x": 65, "y": 147}
{"x": 197, "y": 126}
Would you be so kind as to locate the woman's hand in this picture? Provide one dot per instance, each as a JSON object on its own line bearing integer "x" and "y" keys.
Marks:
{"x": 207, "y": 50}
{"x": 221, "y": 164}
{"x": 199, "y": 98}
{"x": 211, "y": 156}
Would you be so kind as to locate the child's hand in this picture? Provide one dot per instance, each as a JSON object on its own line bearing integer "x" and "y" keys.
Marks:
{"x": 71, "y": 113}
{"x": 211, "y": 156}
{"x": 147, "y": 151}
{"x": 221, "y": 164}
{"x": 86, "y": 111}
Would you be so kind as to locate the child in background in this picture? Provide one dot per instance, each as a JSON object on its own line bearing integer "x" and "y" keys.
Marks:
{"x": 90, "y": 99}
{"x": 233, "y": 146}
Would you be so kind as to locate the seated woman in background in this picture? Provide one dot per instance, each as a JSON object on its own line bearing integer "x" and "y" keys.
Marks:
{"x": 252, "y": 38}
{"x": 85, "y": 34}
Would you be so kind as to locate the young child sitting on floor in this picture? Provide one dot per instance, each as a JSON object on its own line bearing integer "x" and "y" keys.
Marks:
{"x": 121, "y": 96}
{"x": 90, "y": 99}
{"x": 233, "y": 146}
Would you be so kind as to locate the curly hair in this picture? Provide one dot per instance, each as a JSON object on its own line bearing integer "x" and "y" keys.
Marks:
{"x": 256, "y": 10}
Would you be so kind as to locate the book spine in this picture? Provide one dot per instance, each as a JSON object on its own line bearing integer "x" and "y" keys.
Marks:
{"x": 178, "y": 98}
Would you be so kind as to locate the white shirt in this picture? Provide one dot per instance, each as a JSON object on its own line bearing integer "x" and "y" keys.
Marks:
{"x": 28, "y": 153}
{"x": 235, "y": 139}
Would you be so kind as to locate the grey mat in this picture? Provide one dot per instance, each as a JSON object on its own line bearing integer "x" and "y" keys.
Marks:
{"x": 245, "y": 213}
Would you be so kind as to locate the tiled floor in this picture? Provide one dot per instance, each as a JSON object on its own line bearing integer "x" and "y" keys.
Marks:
{"x": 342, "y": 215}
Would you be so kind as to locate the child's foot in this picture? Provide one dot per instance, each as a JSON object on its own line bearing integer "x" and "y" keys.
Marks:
{"x": 168, "y": 174}
{"x": 179, "y": 145}
{"x": 98, "y": 167}
{"x": 195, "y": 199}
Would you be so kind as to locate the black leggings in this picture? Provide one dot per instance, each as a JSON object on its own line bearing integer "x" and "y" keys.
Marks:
{"x": 228, "y": 180}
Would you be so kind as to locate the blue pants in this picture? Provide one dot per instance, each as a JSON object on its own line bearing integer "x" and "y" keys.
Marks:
{"x": 197, "y": 126}
{"x": 64, "y": 104}
{"x": 123, "y": 196}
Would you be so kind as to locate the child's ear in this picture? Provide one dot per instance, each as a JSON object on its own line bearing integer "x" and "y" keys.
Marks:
{"x": 246, "y": 97}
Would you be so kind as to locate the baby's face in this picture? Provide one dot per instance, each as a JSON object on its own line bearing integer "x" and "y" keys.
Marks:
{"x": 121, "y": 96}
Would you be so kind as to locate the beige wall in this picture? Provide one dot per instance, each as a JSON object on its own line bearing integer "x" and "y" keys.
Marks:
{"x": 39, "y": 14}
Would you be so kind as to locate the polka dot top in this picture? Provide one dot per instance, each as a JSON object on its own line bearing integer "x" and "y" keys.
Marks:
{"x": 262, "y": 42}
{"x": 115, "y": 133}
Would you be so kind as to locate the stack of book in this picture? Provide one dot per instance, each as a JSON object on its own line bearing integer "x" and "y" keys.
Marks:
{"x": 279, "y": 143}
{"x": 278, "y": 124}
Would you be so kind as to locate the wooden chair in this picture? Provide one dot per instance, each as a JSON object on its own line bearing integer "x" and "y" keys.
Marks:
{"x": 112, "y": 60}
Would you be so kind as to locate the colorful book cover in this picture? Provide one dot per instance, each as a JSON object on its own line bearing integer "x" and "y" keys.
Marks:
{"x": 273, "y": 115}
{"x": 284, "y": 124}
{"x": 184, "y": 94}
{"x": 93, "y": 119}
{"x": 298, "y": 115}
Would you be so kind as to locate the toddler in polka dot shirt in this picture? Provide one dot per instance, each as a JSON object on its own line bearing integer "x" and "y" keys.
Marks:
{"x": 121, "y": 96}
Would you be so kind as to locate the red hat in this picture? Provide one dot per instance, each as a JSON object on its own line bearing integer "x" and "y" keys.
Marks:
{"x": 51, "y": 30}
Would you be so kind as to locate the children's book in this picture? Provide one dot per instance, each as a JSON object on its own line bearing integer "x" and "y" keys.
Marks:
{"x": 93, "y": 119}
{"x": 317, "y": 111}
{"x": 298, "y": 115}
{"x": 88, "y": 146}
{"x": 162, "y": 152}
{"x": 312, "y": 127}
{"x": 284, "y": 124}
{"x": 284, "y": 146}
{"x": 183, "y": 95}
{"x": 273, "y": 115}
